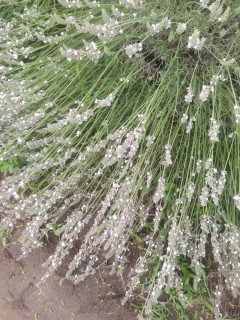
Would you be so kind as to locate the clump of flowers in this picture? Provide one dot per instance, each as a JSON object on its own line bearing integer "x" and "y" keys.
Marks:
{"x": 189, "y": 96}
{"x": 236, "y": 109}
{"x": 160, "y": 26}
{"x": 105, "y": 102}
{"x": 133, "y": 49}
{"x": 214, "y": 130}
{"x": 195, "y": 42}
{"x": 236, "y": 199}
{"x": 181, "y": 28}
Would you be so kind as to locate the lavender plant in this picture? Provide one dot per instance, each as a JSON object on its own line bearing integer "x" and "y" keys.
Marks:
{"x": 123, "y": 114}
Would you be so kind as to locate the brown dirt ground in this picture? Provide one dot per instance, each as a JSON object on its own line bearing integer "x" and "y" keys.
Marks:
{"x": 22, "y": 299}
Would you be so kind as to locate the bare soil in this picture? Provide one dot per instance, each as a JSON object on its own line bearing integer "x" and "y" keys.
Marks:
{"x": 21, "y": 298}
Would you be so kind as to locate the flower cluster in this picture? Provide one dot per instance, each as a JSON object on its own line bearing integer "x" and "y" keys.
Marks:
{"x": 91, "y": 52}
{"x": 168, "y": 158}
{"x": 217, "y": 12}
{"x": 105, "y": 102}
{"x": 159, "y": 193}
{"x": 189, "y": 96}
{"x": 71, "y": 3}
{"x": 131, "y": 3}
{"x": 236, "y": 109}
{"x": 159, "y": 27}
{"x": 134, "y": 49}
{"x": 236, "y": 199}
{"x": 106, "y": 31}
{"x": 208, "y": 89}
{"x": 214, "y": 187}
{"x": 214, "y": 130}
{"x": 181, "y": 28}
{"x": 195, "y": 42}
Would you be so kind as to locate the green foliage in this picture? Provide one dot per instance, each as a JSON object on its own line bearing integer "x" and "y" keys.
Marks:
{"x": 9, "y": 166}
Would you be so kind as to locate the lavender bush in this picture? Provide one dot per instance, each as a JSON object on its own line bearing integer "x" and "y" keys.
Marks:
{"x": 118, "y": 117}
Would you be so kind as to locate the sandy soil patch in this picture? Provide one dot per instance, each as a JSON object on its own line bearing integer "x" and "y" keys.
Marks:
{"x": 22, "y": 299}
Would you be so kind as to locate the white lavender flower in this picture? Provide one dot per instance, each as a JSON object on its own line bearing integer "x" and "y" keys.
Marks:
{"x": 216, "y": 10}
{"x": 216, "y": 186}
{"x": 91, "y": 51}
{"x": 195, "y": 42}
{"x": 133, "y": 49}
{"x": 221, "y": 182}
{"x": 208, "y": 163}
{"x": 206, "y": 90}
{"x": 198, "y": 166}
{"x": 105, "y": 32}
{"x": 149, "y": 179}
{"x": 72, "y": 54}
{"x": 159, "y": 27}
{"x": 204, "y": 196}
{"x": 236, "y": 110}
{"x": 131, "y": 3}
{"x": 70, "y": 20}
{"x": 204, "y": 3}
{"x": 214, "y": 80}
{"x": 166, "y": 23}
{"x": 159, "y": 193}
{"x": 107, "y": 102}
{"x": 214, "y": 130}
{"x": 236, "y": 199}
{"x": 224, "y": 17}
{"x": 190, "y": 124}
{"x": 71, "y": 3}
{"x": 189, "y": 96}
{"x": 184, "y": 118}
{"x": 181, "y": 27}
{"x": 168, "y": 159}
